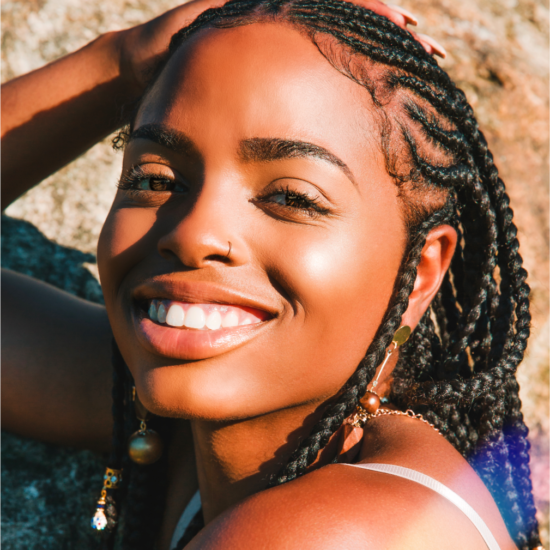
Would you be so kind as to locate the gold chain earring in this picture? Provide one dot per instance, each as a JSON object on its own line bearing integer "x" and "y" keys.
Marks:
{"x": 352, "y": 430}
{"x": 371, "y": 400}
{"x": 144, "y": 446}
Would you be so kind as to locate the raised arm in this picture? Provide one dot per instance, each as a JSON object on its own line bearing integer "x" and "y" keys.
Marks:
{"x": 56, "y": 368}
{"x": 54, "y": 114}
{"x": 56, "y": 349}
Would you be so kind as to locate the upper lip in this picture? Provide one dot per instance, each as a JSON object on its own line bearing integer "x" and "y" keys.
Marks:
{"x": 168, "y": 287}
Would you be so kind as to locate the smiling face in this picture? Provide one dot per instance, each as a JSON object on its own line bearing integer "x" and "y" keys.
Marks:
{"x": 254, "y": 186}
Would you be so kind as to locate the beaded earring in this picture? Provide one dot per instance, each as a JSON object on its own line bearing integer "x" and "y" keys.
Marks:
{"x": 352, "y": 430}
{"x": 106, "y": 515}
{"x": 144, "y": 446}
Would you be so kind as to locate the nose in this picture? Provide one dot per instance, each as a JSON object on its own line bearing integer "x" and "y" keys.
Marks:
{"x": 207, "y": 233}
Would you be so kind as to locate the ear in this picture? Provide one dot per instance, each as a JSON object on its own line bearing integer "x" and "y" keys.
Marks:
{"x": 434, "y": 262}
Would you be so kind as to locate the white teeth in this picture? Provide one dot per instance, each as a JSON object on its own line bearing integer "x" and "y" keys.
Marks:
{"x": 214, "y": 320}
{"x": 200, "y": 316}
{"x": 175, "y": 316}
{"x": 195, "y": 317}
{"x": 230, "y": 320}
{"x": 161, "y": 316}
{"x": 153, "y": 311}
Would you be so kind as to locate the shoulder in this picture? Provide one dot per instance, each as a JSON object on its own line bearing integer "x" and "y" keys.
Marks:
{"x": 343, "y": 507}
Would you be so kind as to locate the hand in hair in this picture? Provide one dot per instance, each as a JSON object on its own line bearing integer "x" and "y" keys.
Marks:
{"x": 144, "y": 46}
{"x": 54, "y": 114}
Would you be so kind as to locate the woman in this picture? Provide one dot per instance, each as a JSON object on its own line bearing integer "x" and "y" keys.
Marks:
{"x": 300, "y": 180}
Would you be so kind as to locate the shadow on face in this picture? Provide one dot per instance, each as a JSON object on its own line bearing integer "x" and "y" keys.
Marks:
{"x": 251, "y": 142}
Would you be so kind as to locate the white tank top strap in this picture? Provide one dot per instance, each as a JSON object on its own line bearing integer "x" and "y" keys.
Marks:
{"x": 439, "y": 488}
{"x": 188, "y": 514}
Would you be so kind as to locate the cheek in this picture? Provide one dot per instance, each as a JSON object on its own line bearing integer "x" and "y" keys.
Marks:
{"x": 126, "y": 238}
{"x": 341, "y": 285}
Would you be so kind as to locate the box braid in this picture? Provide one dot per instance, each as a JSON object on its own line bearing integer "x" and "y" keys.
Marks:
{"x": 458, "y": 368}
{"x": 143, "y": 488}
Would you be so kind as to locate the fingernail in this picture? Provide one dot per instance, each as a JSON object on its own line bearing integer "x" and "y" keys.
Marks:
{"x": 436, "y": 46}
{"x": 411, "y": 19}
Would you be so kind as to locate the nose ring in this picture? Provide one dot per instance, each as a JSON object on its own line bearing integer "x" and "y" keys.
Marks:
{"x": 229, "y": 251}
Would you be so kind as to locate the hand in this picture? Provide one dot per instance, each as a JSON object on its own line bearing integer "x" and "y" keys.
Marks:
{"x": 142, "y": 47}
{"x": 395, "y": 14}
{"x": 402, "y": 17}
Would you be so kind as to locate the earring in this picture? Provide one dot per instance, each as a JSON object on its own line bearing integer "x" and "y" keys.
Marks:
{"x": 144, "y": 446}
{"x": 352, "y": 430}
{"x": 105, "y": 514}
{"x": 371, "y": 400}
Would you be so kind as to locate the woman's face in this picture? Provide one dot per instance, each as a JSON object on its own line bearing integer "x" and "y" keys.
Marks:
{"x": 258, "y": 196}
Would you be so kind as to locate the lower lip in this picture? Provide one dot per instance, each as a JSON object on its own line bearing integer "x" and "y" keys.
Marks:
{"x": 191, "y": 344}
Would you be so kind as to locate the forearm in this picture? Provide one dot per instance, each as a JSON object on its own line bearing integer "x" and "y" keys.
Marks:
{"x": 56, "y": 365}
{"x": 54, "y": 114}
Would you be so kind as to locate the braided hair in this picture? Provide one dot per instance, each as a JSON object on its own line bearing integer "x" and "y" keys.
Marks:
{"x": 458, "y": 368}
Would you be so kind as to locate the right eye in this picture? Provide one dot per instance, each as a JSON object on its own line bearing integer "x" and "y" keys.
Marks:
{"x": 138, "y": 179}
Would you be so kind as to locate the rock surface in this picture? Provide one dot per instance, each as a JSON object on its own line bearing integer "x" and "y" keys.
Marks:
{"x": 498, "y": 53}
{"x": 49, "y": 493}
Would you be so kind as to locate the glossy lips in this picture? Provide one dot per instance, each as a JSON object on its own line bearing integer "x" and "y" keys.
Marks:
{"x": 193, "y": 331}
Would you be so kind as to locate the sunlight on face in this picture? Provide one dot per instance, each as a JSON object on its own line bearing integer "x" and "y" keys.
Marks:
{"x": 251, "y": 138}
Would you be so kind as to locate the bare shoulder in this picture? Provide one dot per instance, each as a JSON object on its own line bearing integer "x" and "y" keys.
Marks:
{"x": 341, "y": 506}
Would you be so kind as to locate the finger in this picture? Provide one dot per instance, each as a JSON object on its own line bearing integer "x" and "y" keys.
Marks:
{"x": 183, "y": 15}
{"x": 382, "y": 9}
{"x": 430, "y": 45}
{"x": 409, "y": 17}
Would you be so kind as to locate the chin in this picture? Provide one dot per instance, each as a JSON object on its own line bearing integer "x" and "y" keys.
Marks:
{"x": 188, "y": 392}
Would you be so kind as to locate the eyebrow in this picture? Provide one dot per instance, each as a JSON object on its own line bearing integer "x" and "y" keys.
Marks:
{"x": 167, "y": 137}
{"x": 270, "y": 149}
{"x": 250, "y": 150}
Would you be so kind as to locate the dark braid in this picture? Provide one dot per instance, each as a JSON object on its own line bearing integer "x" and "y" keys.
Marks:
{"x": 143, "y": 488}
{"x": 357, "y": 385}
{"x": 116, "y": 457}
{"x": 458, "y": 368}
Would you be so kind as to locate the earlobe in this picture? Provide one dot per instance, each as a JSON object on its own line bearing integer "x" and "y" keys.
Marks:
{"x": 434, "y": 263}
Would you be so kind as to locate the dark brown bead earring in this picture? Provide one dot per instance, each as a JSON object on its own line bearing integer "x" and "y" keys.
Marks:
{"x": 371, "y": 401}
{"x": 369, "y": 405}
{"x": 144, "y": 446}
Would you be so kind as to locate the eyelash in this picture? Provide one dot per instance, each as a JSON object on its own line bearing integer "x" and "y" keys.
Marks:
{"x": 131, "y": 181}
{"x": 295, "y": 200}
{"x": 303, "y": 202}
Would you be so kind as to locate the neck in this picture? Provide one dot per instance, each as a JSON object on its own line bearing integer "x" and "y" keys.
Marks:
{"x": 237, "y": 459}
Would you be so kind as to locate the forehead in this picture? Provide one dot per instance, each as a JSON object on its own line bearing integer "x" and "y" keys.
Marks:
{"x": 262, "y": 80}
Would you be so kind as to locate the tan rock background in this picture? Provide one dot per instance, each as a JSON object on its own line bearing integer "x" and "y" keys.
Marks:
{"x": 498, "y": 53}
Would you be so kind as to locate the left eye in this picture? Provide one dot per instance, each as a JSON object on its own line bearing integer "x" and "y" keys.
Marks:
{"x": 295, "y": 200}
{"x": 291, "y": 199}
{"x": 280, "y": 198}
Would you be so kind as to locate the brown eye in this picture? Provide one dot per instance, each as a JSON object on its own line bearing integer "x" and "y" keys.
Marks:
{"x": 137, "y": 180}
{"x": 294, "y": 200}
{"x": 156, "y": 184}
